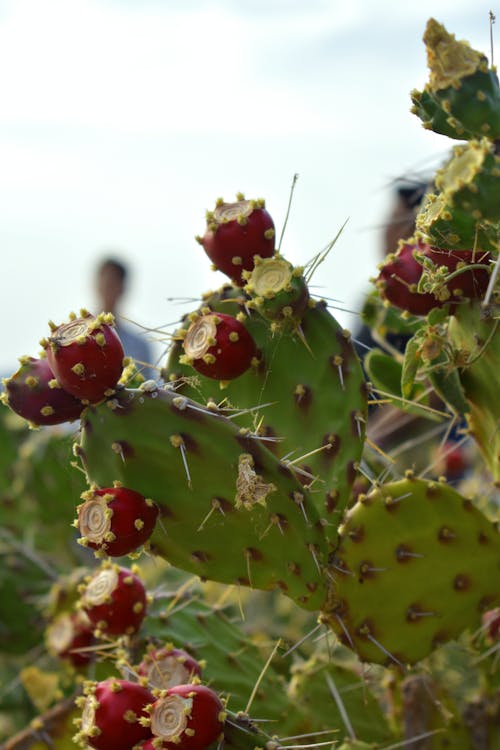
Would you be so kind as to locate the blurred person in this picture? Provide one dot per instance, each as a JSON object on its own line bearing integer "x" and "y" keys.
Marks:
{"x": 400, "y": 225}
{"x": 112, "y": 276}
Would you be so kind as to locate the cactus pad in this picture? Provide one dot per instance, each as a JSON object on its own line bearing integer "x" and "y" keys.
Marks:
{"x": 230, "y": 510}
{"x": 416, "y": 565}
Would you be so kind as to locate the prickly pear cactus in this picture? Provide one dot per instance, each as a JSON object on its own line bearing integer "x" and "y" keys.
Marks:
{"x": 321, "y": 592}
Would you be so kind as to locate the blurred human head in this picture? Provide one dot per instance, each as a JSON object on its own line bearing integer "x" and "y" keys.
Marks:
{"x": 400, "y": 224}
{"x": 111, "y": 278}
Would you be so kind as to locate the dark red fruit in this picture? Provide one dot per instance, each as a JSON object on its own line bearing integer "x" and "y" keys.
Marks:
{"x": 235, "y": 234}
{"x": 168, "y": 666}
{"x": 187, "y": 716}
{"x": 115, "y": 600}
{"x": 401, "y": 272}
{"x": 471, "y": 283}
{"x": 35, "y": 394}
{"x": 115, "y": 520}
{"x": 86, "y": 356}
{"x": 398, "y": 280}
{"x": 112, "y": 713}
{"x": 452, "y": 460}
{"x": 67, "y": 634}
{"x": 218, "y": 346}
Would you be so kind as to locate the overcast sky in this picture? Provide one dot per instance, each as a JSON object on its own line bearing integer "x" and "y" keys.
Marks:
{"x": 121, "y": 122}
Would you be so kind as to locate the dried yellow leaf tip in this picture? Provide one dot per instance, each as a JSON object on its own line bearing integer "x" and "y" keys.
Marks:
{"x": 449, "y": 60}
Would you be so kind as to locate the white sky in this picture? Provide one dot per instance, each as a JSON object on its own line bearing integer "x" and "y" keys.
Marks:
{"x": 121, "y": 121}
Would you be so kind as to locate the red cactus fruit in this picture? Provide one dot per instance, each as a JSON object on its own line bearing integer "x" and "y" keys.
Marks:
{"x": 401, "y": 272}
{"x": 115, "y": 520}
{"x": 398, "y": 280}
{"x": 35, "y": 394}
{"x": 469, "y": 284}
{"x": 114, "y": 599}
{"x": 86, "y": 356}
{"x": 67, "y": 634}
{"x": 218, "y": 346}
{"x": 235, "y": 234}
{"x": 189, "y": 716}
{"x": 451, "y": 460}
{"x": 168, "y": 666}
{"x": 111, "y": 715}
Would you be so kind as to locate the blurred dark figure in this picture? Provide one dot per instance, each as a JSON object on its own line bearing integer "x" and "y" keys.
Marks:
{"x": 400, "y": 225}
{"x": 111, "y": 284}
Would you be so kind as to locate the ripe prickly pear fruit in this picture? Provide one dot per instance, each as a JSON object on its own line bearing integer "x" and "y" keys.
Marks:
{"x": 35, "y": 394}
{"x": 235, "y": 234}
{"x": 168, "y": 666}
{"x": 115, "y": 520}
{"x": 218, "y": 346}
{"x": 455, "y": 275}
{"x": 417, "y": 277}
{"x": 114, "y": 599}
{"x": 399, "y": 277}
{"x": 111, "y": 715}
{"x": 86, "y": 356}
{"x": 191, "y": 716}
{"x": 67, "y": 634}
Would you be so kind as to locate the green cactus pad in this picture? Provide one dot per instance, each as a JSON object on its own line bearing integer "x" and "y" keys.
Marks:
{"x": 434, "y": 117}
{"x": 307, "y": 396}
{"x": 470, "y": 180}
{"x": 475, "y": 338}
{"x": 462, "y": 86}
{"x": 416, "y": 565}
{"x": 230, "y": 511}
{"x": 441, "y": 224}
{"x": 328, "y": 687}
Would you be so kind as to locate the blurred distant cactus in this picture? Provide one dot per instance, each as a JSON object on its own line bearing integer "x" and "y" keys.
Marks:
{"x": 329, "y": 584}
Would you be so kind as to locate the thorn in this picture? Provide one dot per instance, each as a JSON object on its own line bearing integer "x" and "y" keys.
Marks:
{"x": 290, "y": 197}
{"x": 385, "y": 651}
{"x": 312, "y": 550}
{"x": 411, "y": 740}
{"x": 308, "y": 734}
{"x": 302, "y": 458}
{"x": 259, "y": 678}
{"x": 117, "y": 448}
{"x": 344, "y": 629}
{"x": 302, "y": 640}
{"x": 300, "y": 334}
{"x": 340, "y": 705}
